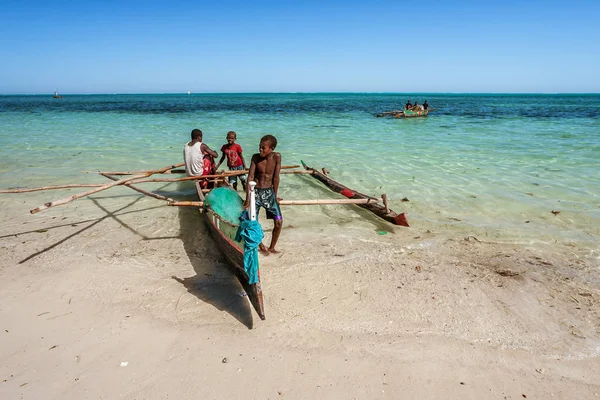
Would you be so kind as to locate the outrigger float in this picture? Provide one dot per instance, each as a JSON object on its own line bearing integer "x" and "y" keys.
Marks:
{"x": 226, "y": 232}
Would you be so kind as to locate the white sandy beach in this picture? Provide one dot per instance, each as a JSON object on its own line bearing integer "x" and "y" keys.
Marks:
{"x": 120, "y": 297}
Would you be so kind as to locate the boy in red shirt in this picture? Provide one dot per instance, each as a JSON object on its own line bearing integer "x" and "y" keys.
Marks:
{"x": 235, "y": 159}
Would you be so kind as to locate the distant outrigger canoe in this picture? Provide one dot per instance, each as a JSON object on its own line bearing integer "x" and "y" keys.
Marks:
{"x": 403, "y": 114}
{"x": 411, "y": 113}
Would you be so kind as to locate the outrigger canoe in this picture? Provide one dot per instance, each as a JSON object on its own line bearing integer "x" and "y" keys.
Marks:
{"x": 224, "y": 231}
{"x": 224, "y": 234}
{"x": 411, "y": 113}
{"x": 403, "y": 114}
{"x": 371, "y": 203}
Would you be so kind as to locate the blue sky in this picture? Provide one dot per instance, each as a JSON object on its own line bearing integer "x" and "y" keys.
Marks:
{"x": 292, "y": 46}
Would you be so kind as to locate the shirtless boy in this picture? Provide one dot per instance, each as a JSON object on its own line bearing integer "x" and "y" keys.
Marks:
{"x": 264, "y": 170}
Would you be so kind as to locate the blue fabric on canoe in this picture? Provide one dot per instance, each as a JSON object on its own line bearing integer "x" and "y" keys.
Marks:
{"x": 252, "y": 234}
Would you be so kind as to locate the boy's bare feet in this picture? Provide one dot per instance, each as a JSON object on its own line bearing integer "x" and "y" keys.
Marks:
{"x": 263, "y": 249}
{"x": 272, "y": 250}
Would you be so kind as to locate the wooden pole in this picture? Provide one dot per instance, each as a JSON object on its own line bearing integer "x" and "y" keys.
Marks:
{"x": 241, "y": 172}
{"x": 296, "y": 172}
{"x": 186, "y": 203}
{"x": 142, "y": 191}
{"x": 325, "y": 201}
{"x": 26, "y": 190}
{"x": 155, "y": 171}
{"x": 217, "y": 176}
{"x": 287, "y": 202}
{"x": 226, "y": 182}
{"x": 78, "y": 185}
{"x": 99, "y": 189}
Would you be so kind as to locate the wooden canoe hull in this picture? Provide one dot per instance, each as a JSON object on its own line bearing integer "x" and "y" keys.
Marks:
{"x": 223, "y": 233}
{"x": 403, "y": 114}
{"x": 375, "y": 208}
{"x": 412, "y": 114}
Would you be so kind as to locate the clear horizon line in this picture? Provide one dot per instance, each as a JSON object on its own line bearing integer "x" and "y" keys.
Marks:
{"x": 319, "y": 92}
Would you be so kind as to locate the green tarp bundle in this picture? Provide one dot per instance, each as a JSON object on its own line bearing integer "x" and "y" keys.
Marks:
{"x": 226, "y": 203}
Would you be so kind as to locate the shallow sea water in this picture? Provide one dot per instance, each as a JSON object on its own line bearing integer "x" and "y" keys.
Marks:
{"x": 478, "y": 164}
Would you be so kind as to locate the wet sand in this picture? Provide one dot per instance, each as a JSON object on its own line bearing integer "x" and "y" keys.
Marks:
{"x": 118, "y": 297}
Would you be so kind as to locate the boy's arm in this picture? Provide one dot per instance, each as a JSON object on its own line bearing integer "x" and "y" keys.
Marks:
{"x": 208, "y": 150}
{"x": 250, "y": 179}
{"x": 276, "y": 173}
{"x": 243, "y": 161}
{"x": 220, "y": 161}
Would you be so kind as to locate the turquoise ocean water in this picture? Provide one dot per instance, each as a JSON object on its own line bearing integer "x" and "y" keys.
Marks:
{"x": 497, "y": 164}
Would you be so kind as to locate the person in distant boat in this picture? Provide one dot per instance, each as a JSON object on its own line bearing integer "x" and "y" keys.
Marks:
{"x": 264, "y": 170}
{"x": 408, "y": 105}
{"x": 425, "y": 106}
{"x": 235, "y": 159}
{"x": 198, "y": 157}
{"x": 417, "y": 107}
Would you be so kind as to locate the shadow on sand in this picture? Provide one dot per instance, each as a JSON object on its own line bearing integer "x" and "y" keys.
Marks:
{"x": 214, "y": 282}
